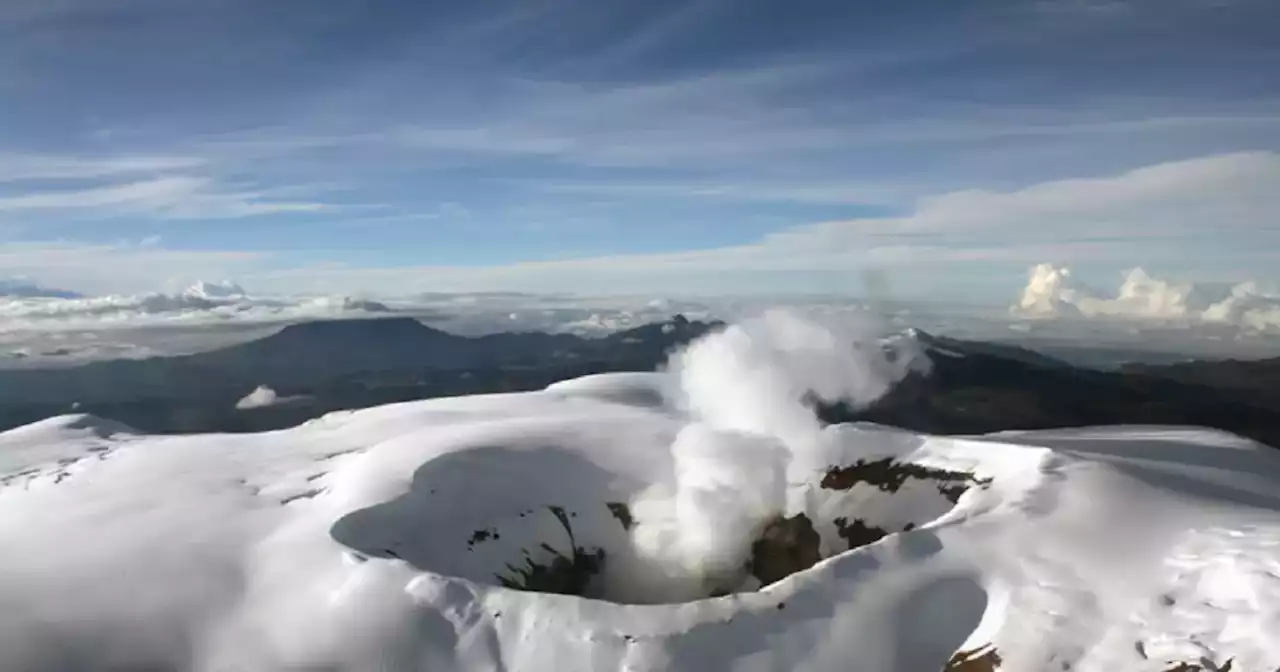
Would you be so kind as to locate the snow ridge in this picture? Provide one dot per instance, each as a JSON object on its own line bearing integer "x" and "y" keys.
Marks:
{"x": 371, "y": 540}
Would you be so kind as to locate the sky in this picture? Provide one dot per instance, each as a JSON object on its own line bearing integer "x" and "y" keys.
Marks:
{"x": 929, "y": 149}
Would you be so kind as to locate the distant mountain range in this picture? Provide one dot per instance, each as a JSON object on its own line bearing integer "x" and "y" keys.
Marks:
{"x": 27, "y": 290}
{"x": 973, "y": 386}
{"x": 337, "y": 364}
{"x": 977, "y": 387}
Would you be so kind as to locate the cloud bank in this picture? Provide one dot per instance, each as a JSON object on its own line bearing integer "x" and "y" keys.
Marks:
{"x": 1221, "y": 203}
{"x": 1052, "y": 291}
{"x": 201, "y": 302}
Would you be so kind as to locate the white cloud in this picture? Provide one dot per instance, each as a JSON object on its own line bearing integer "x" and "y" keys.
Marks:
{"x": 1206, "y": 194}
{"x": 171, "y": 197}
{"x": 17, "y": 167}
{"x": 120, "y": 268}
{"x": 746, "y": 120}
{"x": 201, "y": 302}
{"x": 1250, "y": 306}
{"x": 1147, "y": 215}
{"x": 1049, "y": 292}
{"x": 1122, "y": 217}
{"x": 1052, "y": 292}
{"x": 808, "y": 191}
{"x": 43, "y": 330}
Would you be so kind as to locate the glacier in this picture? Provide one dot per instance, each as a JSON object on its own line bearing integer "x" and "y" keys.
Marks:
{"x": 383, "y": 539}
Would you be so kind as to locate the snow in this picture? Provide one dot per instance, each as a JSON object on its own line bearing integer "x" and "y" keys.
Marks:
{"x": 351, "y": 542}
{"x": 225, "y": 289}
{"x": 260, "y": 397}
{"x": 264, "y": 397}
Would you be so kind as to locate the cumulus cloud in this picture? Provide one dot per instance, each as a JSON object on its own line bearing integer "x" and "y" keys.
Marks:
{"x": 1249, "y": 306}
{"x": 1049, "y": 292}
{"x": 1052, "y": 291}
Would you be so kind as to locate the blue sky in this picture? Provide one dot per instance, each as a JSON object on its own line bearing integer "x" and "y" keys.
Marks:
{"x": 609, "y": 146}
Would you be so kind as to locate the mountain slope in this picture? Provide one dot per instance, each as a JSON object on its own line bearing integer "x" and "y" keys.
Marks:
{"x": 1253, "y": 377}
{"x": 312, "y": 350}
{"x": 698, "y": 518}
{"x": 302, "y": 356}
{"x": 974, "y": 388}
{"x": 1127, "y": 548}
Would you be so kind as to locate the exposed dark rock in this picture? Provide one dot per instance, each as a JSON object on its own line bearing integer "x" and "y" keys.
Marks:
{"x": 984, "y": 659}
{"x": 889, "y": 476}
{"x": 623, "y": 513}
{"x": 481, "y": 536}
{"x": 1205, "y": 665}
{"x": 953, "y": 491}
{"x": 563, "y": 574}
{"x": 786, "y": 546}
{"x": 858, "y": 533}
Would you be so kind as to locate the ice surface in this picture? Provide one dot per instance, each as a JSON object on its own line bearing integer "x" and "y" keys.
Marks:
{"x": 350, "y": 542}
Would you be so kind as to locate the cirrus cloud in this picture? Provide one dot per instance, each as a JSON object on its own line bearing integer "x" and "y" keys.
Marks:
{"x": 1140, "y": 216}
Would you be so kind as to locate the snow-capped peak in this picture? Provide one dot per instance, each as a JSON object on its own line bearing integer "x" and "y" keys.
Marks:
{"x": 224, "y": 289}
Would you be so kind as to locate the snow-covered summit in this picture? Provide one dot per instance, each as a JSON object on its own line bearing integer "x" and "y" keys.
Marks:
{"x": 214, "y": 290}
{"x": 710, "y": 520}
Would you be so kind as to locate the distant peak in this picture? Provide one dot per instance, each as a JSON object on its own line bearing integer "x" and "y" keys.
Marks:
{"x": 363, "y": 325}
{"x": 349, "y": 304}
{"x": 23, "y": 288}
{"x": 214, "y": 290}
{"x": 920, "y": 335}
